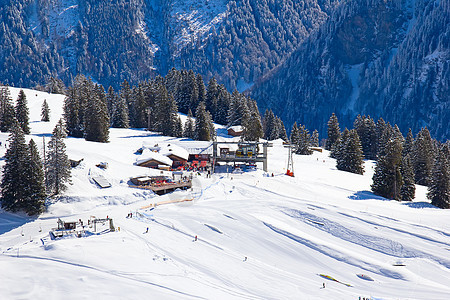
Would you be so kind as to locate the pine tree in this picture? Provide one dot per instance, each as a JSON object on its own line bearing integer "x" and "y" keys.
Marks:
{"x": 22, "y": 112}
{"x": 45, "y": 112}
{"x": 127, "y": 96}
{"x": 251, "y": 123}
{"x": 201, "y": 90}
{"x": 189, "y": 126}
{"x": 303, "y": 143}
{"x": 221, "y": 105}
{"x": 73, "y": 112}
{"x": 333, "y": 132}
{"x": 387, "y": 180}
{"x": 111, "y": 100}
{"x": 35, "y": 175}
{"x": 178, "y": 131}
{"x": 385, "y": 133}
{"x": 366, "y": 129}
{"x": 315, "y": 138}
{"x": 408, "y": 189}
{"x": 96, "y": 119}
{"x": 166, "y": 112}
{"x": 270, "y": 126}
{"x": 439, "y": 188}
{"x": 7, "y": 117}
{"x": 140, "y": 106}
{"x": 203, "y": 124}
{"x": 350, "y": 156}
{"x": 119, "y": 113}
{"x": 238, "y": 108}
{"x": 14, "y": 185}
{"x": 281, "y": 129}
{"x": 57, "y": 162}
{"x": 295, "y": 135}
{"x": 422, "y": 157}
{"x": 211, "y": 101}
{"x": 409, "y": 143}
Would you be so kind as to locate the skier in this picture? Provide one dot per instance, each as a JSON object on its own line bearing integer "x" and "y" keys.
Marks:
{"x": 195, "y": 238}
{"x": 245, "y": 258}
{"x": 324, "y": 285}
{"x": 147, "y": 230}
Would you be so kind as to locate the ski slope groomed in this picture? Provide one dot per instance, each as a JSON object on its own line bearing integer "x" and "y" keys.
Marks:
{"x": 319, "y": 235}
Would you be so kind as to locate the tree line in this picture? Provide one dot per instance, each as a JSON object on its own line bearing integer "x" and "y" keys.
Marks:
{"x": 154, "y": 104}
{"x": 401, "y": 161}
{"x": 27, "y": 179}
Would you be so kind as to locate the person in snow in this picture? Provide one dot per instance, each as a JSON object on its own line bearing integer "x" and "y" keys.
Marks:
{"x": 195, "y": 238}
{"x": 146, "y": 230}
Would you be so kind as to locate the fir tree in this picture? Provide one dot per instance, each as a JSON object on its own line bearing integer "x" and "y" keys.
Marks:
{"x": 36, "y": 197}
{"x": 211, "y": 101}
{"x": 408, "y": 189}
{"x": 387, "y": 180}
{"x": 119, "y": 115}
{"x": 140, "y": 106}
{"x": 178, "y": 131}
{"x": 270, "y": 126}
{"x": 333, "y": 132}
{"x": 57, "y": 162}
{"x": 439, "y": 188}
{"x": 409, "y": 143}
{"x": 22, "y": 112}
{"x": 45, "y": 112}
{"x": 315, "y": 138}
{"x": 384, "y": 134}
{"x": 166, "y": 112}
{"x": 7, "y": 117}
{"x": 96, "y": 119}
{"x": 366, "y": 129}
{"x": 221, "y": 106}
{"x": 127, "y": 97}
{"x": 295, "y": 135}
{"x": 350, "y": 157}
{"x": 189, "y": 126}
{"x": 281, "y": 129}
{"x": 303, "y": 142}
{"x": 203, "y": 124}
{"x": 73, "y": 112}
{"x": 251, "y": 123}
{"x": 422, "y": 157}
{"x": 15, "y": 186}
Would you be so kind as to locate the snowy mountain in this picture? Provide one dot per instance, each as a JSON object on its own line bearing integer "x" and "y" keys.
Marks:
{"x": 259, "y": 236}
{"x": 236, "y": 41}
{"x": 385, "y": 59}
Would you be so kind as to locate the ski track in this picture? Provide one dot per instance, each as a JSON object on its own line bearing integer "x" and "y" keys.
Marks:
{"x": 404, "y": 231}
{"x": 60, "y": 261}
{"x": 378, "y": 244}
{"x": 337, "y": 255}
{"x": 201, "y": 270}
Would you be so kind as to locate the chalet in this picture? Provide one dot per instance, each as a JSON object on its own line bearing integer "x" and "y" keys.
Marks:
{"x": 235, "y": 130}
{"x": 153, "y": 160}
{"x": 177, "y": 155}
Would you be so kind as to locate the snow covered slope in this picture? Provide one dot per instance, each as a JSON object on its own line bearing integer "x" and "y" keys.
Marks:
{"x": 259, "y": 237}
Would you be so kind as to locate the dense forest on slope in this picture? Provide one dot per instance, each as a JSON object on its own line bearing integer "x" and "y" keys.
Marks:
{"x": 234, "y": 41}
{"x": 382, "y": 58}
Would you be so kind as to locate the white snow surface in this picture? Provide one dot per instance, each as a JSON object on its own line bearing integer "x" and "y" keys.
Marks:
{"x": 259, "y": 237}
{"x": 193, "y": 20}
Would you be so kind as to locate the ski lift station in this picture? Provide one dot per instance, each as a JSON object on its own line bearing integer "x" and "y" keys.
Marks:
{"x": 247, "y": 152}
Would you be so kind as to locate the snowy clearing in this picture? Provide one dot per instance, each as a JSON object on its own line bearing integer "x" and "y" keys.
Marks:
{"x": 259, "y": 237}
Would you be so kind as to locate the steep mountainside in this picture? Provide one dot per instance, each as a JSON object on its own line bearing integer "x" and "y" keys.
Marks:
{"x": 383, "y": 58}
{"x": 236, "y": 41}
